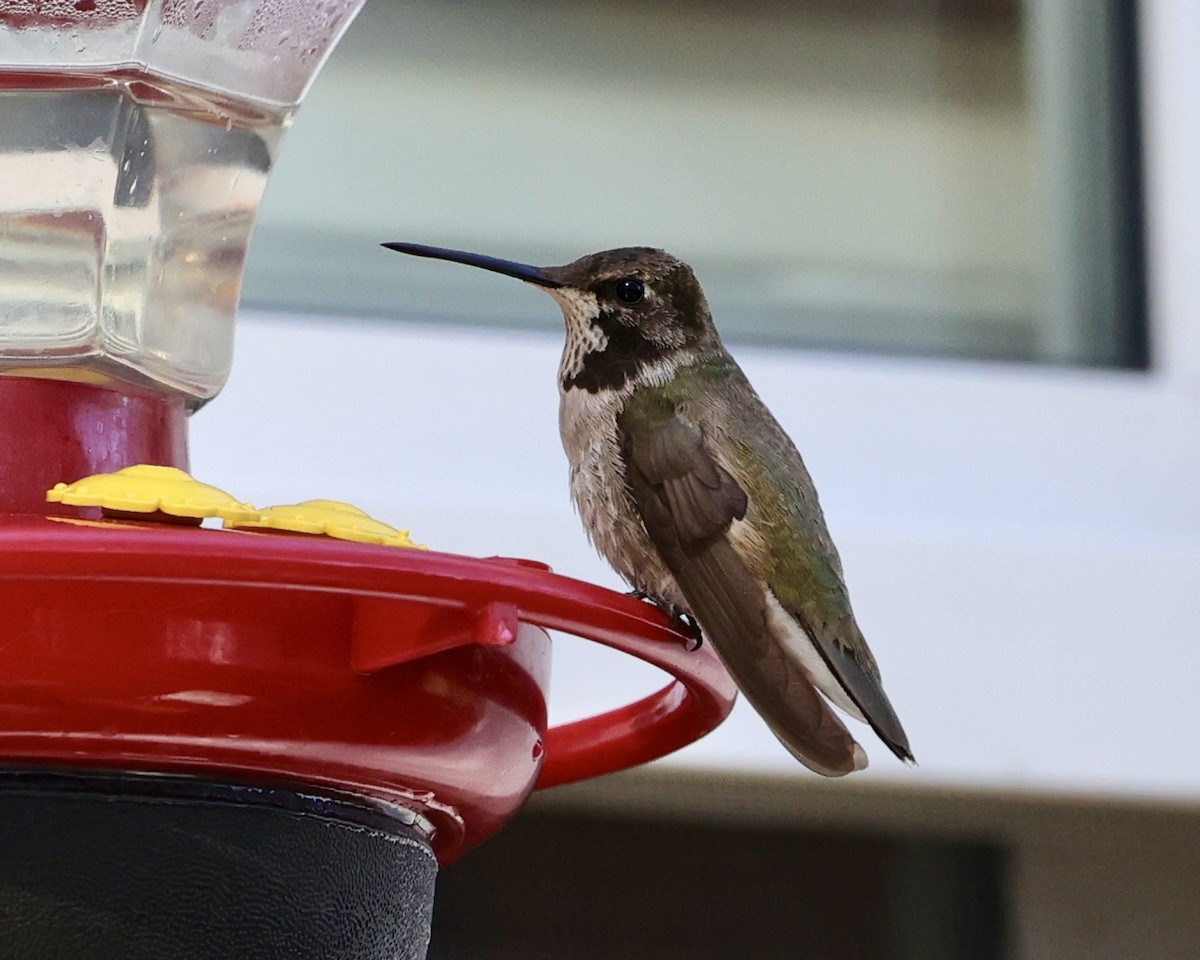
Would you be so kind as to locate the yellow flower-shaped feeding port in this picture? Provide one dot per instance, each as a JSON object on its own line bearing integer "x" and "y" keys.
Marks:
{"x": 330, "y": 518}
{"x": 150, "y": 492}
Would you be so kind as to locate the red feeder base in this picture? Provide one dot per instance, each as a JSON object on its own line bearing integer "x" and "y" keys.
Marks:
{"x": 176, "y": 701}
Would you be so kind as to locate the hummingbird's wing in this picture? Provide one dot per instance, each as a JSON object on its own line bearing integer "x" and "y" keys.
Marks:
{"x": 688, "y": 502}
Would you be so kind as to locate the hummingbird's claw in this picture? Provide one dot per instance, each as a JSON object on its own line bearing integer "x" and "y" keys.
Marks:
{"x": 693, "y": 626}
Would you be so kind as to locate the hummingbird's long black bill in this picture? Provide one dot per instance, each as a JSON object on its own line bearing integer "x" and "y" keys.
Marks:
{"x": 510, "y": 268}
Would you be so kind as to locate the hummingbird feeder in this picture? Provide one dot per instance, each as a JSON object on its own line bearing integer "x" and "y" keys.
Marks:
{"x": 261, "y": 739}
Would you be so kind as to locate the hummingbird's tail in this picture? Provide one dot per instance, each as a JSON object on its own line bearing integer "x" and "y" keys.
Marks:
{"x": 732, "y": 609}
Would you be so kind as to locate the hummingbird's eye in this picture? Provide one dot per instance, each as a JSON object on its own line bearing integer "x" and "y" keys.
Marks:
{"x": 630, "y": 290}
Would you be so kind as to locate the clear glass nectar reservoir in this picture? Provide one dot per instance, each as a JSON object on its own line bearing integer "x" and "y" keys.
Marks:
{"x": 135, "y": 143}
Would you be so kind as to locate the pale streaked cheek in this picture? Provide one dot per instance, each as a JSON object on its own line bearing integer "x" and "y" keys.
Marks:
{"x": 584, "y": 336}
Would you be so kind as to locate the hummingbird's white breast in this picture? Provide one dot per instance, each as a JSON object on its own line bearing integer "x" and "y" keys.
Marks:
{"x": 587, "y": 424}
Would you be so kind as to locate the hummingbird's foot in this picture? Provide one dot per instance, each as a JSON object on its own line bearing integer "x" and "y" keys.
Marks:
{"x": 675, "y": 613}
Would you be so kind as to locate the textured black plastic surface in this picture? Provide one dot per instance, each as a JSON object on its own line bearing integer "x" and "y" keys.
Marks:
{"x": 144, "y": 868}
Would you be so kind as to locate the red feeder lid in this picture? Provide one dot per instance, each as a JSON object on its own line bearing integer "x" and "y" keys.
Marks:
{"x": 412, "y": 677}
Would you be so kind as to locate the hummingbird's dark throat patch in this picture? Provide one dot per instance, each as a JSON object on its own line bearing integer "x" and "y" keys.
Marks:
{"x": 625, "y": 353}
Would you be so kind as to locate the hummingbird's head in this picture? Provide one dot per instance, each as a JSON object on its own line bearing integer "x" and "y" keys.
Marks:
{"x": 631, "y": 314}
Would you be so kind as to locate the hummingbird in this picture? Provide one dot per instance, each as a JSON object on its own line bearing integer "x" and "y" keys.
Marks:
{"x": 693, "y": 492}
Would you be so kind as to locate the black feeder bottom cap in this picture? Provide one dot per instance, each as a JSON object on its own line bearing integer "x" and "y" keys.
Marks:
{"x": 135, "y": 867}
